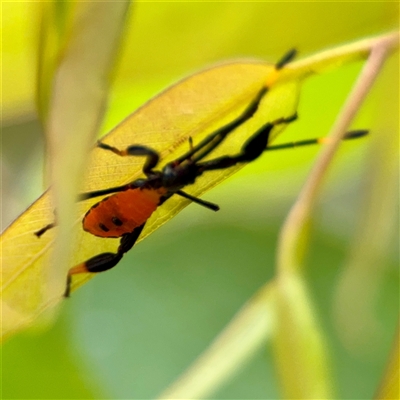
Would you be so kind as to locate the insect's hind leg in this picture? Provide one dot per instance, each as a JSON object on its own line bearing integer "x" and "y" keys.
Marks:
{"x": 101, "y": 262}
{"x": 104, "y": 261}
{"x": 356, "y": 134}
{"x": 286, "y": 58}
{"x": 207, "y": 145}
{"x": 251, "y": 150}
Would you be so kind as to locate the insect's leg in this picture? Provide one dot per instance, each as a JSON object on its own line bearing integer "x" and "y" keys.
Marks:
{"x": 40, "y": 232}
{"x": 151, "y": 155}
{"x": 349, "y": 135}
{"x": 104, "y": 261}
{"x": 115, "y": 189}
{"x": 216, "y": 137}
{"x": 43, "y": 230}
{"x": 286, "y": 58}
{"x": 251, "y": 150}
{"x": 207, "y": 204}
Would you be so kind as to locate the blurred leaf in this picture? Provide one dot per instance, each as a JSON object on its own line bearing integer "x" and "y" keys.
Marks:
{"x": 17, "y": 44}
{"x": 77, "y": 101}
{"x": 359, "y": 287}
{"x": 301, "y": 353}
{"x": 229, "y": 351}
{"x": 361, "y": 283}
{"x": 55, "y": 19}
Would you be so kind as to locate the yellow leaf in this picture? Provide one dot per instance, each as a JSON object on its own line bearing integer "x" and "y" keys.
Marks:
{"x": 192, "y": 108}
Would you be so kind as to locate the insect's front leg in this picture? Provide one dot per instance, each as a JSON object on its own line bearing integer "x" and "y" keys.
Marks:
{"x": 104, "y": 261}
{"x": 151, "y": 155}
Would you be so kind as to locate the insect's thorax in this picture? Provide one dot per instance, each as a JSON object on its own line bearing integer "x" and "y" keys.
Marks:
{"x": 176, "y": 177}
{"x": 122, "y": 212}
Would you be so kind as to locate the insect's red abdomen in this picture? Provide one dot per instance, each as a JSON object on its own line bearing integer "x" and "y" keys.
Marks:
{"x": 122, "y": 212}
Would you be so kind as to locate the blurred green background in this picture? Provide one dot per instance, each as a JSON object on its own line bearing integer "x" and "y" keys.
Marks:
{"x": 130, "y": 332}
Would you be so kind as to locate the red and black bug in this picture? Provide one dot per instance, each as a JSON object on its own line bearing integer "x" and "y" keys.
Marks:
{"x": 124, "y": 213}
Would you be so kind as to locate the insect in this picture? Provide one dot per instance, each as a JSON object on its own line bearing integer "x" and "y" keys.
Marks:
{"x": 123, "y": 214}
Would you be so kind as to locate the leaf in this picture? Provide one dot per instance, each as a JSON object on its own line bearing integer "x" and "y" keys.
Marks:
{"x": 192, "y": 108}
{"x": 77, "y": 103}
{"x": 229, "y": 351}
{"x": 301, "y": 352}
{"x": 336, "y": 57}
{"x": 55, "y": 18}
